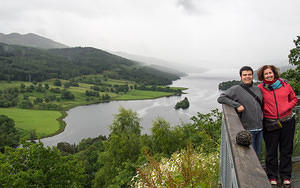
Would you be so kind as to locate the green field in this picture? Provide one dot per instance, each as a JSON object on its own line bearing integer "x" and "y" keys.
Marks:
{"x": 142, "y": 94}
{"x": 44, "y": 122}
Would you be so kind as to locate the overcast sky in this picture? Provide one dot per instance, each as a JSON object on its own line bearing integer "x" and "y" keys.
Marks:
{"x": 202, "y": 32}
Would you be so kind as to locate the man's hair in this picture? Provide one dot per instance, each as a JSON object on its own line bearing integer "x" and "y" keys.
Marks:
{"x": 260, "y": 72}
{"x": 245, "y": 68}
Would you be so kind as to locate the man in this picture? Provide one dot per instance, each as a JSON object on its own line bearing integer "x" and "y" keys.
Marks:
{"x": 247, "y": 106}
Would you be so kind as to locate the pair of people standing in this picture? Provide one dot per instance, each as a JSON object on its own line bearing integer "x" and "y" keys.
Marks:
{"x": 272, "y": 100}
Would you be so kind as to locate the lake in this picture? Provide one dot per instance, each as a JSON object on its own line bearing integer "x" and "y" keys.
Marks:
{"x": 94, "y": 120}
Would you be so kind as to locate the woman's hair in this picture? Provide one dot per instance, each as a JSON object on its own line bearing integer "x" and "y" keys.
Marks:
{"x": 260, "y": 72}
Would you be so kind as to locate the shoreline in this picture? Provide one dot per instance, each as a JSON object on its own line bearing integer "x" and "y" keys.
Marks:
{"x": 62, "y": 123}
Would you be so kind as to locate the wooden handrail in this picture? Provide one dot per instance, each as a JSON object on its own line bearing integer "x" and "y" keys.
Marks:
{"x": 248, "y": 170}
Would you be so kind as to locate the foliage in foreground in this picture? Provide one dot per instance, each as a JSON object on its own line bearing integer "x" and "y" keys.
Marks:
{"x": 124, "y": 150}
{"x": 112, "y": 161}
{"x": 188, "y": 168}
{"x": 33, "y": 165}
{"x": 121, "y": 151}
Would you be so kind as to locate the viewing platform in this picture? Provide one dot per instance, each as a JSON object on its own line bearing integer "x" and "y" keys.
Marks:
{"x": 239, "y": 166}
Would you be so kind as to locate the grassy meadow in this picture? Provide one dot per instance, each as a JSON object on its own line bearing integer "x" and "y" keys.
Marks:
{"x": 49, "y": 122}
{"x": 44, "y": 122}
{"x": 142, "y": 94}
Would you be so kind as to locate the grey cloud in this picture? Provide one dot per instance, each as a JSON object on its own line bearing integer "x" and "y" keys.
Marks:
{"x": 191, "y": 7}
{"x": 188, "y": 31}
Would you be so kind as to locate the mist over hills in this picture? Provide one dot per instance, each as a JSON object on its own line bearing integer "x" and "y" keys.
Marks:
{"x": 162, "y": 64}
{"x": 36, "y": 41}
{"x": 283, "y": 66}
{"x": 30, "y": 40}
{"x": 27, "y": 63}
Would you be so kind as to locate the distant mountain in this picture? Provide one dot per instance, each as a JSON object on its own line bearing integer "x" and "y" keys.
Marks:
{"x": 284, "y": 68}
{"x": 162, "y": 64}
{"x": 30, "y": 40}
{"x": 27, "y": 63}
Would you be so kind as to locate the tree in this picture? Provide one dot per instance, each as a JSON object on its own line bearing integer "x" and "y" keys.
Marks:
{"x": 293, "y": 75}
{"x": 88, "y": 152}
{"x": 8, "y": 133}
{"x": 40, "y": 88}
{"x": 126, "y": 121}
{"x": 228, "y": 84}
{"x": 9, "y": 97}
{"x": 32, "y": 136}
{"x": 105, "y": 97}
{"x": 26, "y": 104}
{"x": 46, "y": 86}
{"x": 67, "y": 95}
{"x": 33, "y": 165}
{"x": 22, "y": 86}
{"x": 38, "y": 100}
{"x": 57, "y": 82}
{"x": 294, "y": 56}
{"x": 163, "y": 140}
{"x": 209, "y": 128}
{"x": 66, "y": 148}
{"x": 121, "y": 151}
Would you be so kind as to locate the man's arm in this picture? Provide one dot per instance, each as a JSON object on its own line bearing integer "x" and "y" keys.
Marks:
{"x": 226, "y": 98}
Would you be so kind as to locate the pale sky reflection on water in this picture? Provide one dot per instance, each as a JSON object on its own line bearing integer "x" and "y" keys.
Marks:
{"x": 93, "y": 120}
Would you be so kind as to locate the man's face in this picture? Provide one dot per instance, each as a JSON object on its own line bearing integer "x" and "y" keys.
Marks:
{"x": 247, "y": 77}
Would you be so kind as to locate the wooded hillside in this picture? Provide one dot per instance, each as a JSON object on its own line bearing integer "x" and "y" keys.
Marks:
{"x": 31, "y": 64}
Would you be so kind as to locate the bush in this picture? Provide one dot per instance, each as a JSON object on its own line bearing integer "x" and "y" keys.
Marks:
{"x": 26, "y": 104}
{"x": 188, "y": 168}
{"x": 67, "y": 95}
{"x": 55, "y": 90}
{"x": 57, "y": 82}
{"x": 49, "y": 106}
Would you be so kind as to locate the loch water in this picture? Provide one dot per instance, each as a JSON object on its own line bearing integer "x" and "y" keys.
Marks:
{"x": 94, "y": 120}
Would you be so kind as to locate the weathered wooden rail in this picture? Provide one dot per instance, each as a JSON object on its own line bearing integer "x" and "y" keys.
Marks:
{"x": 240, "y": 166}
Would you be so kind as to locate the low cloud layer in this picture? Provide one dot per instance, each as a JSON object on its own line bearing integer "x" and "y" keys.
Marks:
{"x": 210, "y": 33}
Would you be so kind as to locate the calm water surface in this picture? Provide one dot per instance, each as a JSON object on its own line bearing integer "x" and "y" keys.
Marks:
{"x": 94, "y": 120}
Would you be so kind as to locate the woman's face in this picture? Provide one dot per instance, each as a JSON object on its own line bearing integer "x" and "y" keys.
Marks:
{"x": 268, "y": 74}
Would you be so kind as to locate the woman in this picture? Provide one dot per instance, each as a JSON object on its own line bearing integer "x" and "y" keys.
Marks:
{"x": 279, "y": 100}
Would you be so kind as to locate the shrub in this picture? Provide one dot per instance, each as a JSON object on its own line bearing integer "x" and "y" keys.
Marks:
{"x": 188, "y": 168}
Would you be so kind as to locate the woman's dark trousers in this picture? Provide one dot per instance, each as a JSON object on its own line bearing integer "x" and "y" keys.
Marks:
{"x": 282, "y": 138}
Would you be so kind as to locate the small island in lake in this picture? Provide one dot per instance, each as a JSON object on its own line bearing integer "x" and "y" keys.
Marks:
{"x": 184, "y": 104}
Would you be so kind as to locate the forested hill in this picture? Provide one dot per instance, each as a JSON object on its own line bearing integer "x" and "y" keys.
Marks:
{"x": 32, "y": 64}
